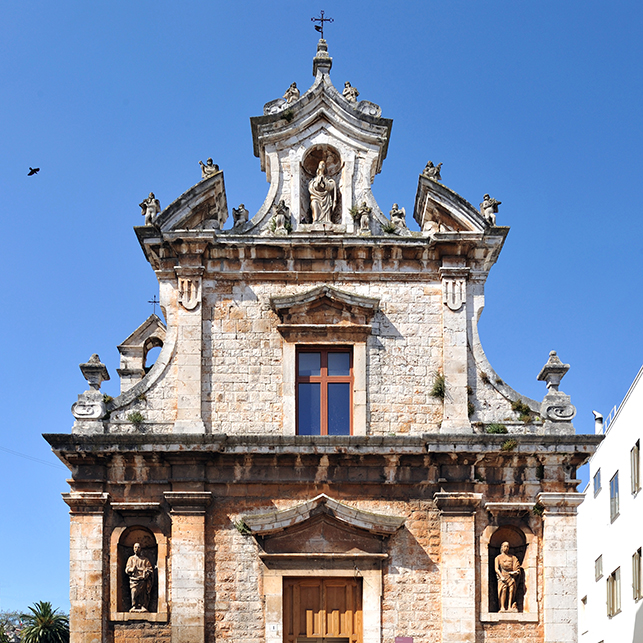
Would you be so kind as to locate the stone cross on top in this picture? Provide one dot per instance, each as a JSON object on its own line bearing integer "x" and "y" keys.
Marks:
{"x": 322, "y": 20}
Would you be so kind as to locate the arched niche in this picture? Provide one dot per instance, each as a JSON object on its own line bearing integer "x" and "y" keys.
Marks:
{"x": 309, "y": 164}
{"x": 523, "y": 544}
{"x": 153, "y": 547}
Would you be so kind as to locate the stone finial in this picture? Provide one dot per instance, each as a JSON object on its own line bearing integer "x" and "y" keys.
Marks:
{"x": 553, "y": 371}
{"x": 95, "y": 372}
{"x": 350, "y": 93}
{"x": 322, "y": 62}
{"x": 556, "y": 409}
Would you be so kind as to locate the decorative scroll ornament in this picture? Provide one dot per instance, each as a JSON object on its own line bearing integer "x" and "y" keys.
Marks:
{"x": 90, "y": 404}
{"x": 454, "y": 287}
{"x": 559, "y": 411}
{"x": 556, "y": 405}
{"x": 190, "y": 291}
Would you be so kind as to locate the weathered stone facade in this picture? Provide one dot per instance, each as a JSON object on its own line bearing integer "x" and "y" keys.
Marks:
{"x": 390, "y": 525}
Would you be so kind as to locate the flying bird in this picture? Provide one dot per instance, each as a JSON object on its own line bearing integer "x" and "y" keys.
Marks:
{"x": 33, "y": 170}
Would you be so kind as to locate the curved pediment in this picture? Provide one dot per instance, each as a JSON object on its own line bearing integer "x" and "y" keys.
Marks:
{"x": 203, "y": 206}
{"x": 279, "y": 521}
{"x": 440, "y": 209}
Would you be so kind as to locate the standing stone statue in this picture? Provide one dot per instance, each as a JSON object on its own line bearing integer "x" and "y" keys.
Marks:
{"x": 292, "y": 94}
{"x": 208, "y": 169}
{"x": 281, "y": 218}
{"x": 323, "y": 195}
{"x": 141, "y": 576}
{"x": 489, "y": 209}
{"x": 350, "y": 93}
{"x": 398, "y": 217}
{"x": 364, "y": 214}
{"x": 150, "y": 208}
{"x": 508, "y": 573}
{"x": 240, "y": 215}
{"x": 432, "y": 171}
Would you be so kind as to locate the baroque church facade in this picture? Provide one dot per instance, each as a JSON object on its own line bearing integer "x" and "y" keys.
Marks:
{"x": 321, "y": 452}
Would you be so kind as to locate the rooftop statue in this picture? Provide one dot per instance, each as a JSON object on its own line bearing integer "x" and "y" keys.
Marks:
{"x": 208, "y": 168}
{"x": 292, "y": 94}
{"x": 364, "y": 214}
{"x": 398, "y": 217}
{"x": 141, "y": 576}
{"x": 508, "y": 573}
{"x": 240, "y": 215}
{"x": 432, "y": 171}
{"x": 323, "y": 195}
{"x": 350, "y": 93}
{"x": 489, "y": 209}
{"x": 150, "y": 207}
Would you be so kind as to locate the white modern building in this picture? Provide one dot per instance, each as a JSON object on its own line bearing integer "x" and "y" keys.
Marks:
{"x": 610, "y": 529}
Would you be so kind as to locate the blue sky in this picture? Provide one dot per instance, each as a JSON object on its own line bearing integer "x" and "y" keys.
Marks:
{"x": 538, "y": 104}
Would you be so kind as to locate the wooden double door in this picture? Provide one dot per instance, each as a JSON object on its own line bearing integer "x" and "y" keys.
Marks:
{"x": 322, "y": 610}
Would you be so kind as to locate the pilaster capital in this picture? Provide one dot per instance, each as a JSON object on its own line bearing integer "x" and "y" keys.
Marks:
{"x": 559, "y": 503}
{"x": 86, "y": 502}
{"x": 188, "y": 502}
{"x": 457, "y": 503}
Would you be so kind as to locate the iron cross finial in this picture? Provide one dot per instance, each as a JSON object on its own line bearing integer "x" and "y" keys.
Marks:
{"x": 154, "y": 301}
{"x": 322, "y": 20}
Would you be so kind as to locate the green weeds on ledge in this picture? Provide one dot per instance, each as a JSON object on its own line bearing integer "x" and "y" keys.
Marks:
{"x": 496, "y": 428}
{"x": 439, "y": 388}
{"x": 136, "y": 418}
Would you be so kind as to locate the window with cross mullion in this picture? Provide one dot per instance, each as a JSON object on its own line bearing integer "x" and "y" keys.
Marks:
{"x": 324, "y": 391}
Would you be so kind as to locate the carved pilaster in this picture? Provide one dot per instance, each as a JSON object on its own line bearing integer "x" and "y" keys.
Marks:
{"x": 457, "y": 564}
{"x": 189, "y": 347}
{"x": 559, "y": 566}
{"x": 454, "y": 274}
{"x": 188, "y": 564}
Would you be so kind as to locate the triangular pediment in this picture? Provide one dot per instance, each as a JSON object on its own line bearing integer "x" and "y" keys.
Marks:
{"x": 203, "y": 206}
{"x": 275, "y": 522}
{"x": 440, "y": 209}
{"x": 152, "y": 327}
{"x": 325, "y": 305}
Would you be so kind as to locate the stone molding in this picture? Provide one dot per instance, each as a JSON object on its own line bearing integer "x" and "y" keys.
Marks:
{"x": 86, "y": 502}
{"x": 136, "y": 508}
{"x": 276, "y": 521}
{"x": 508, "y": 508}
{"x": 457, "y": 503}
{"x": 188, "y": 502}
{"x": 560, "y": 503}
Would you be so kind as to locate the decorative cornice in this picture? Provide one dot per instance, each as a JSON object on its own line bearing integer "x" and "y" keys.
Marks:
{"x": 188, "y": 502}
{"x": 559, "y": 503}
{"x": 457, "y": 502}
{"x": 86, "y": 502}
{"x": 136, "y": 508}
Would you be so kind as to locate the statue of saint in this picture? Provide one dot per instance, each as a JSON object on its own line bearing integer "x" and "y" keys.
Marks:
{"x": 350, "y": 93}
{"x": 282, "y": 216}
{"x": 208, "y": 169}
{"x": 141, "y": 576}
{"x": 489, "y": 209}
{"x": 323, "y": 195}
{"x": 364, "y": 217}
{"x": 432, "y": 171}
{"x": 508, "y": 572}
{"x": 398, "y": 217}
{"x": 292, "y": 94}
{"x": 150, "y": 208}
{"x": 240, "y": 215}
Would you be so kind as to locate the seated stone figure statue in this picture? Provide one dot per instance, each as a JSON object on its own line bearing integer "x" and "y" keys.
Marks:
{"x": 508, "y": 574}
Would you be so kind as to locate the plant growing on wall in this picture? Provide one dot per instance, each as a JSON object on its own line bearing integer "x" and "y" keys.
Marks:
{"x": 136, "y": 418}
{"x": 439, "y": 388}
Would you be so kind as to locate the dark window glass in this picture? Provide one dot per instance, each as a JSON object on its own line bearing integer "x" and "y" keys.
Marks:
{"x": 309, "y": 409}
{"x": 339, "y": 364}
{"x": 309, "y": 364}
{"x": 339, "y": 409}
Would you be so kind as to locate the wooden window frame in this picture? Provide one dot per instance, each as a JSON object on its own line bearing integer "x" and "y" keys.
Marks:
{"x": 324, "y": 379}
{"x": 614, "y": 498}
{"x": 637, "y": 576}
{"x": 614, "y": 593}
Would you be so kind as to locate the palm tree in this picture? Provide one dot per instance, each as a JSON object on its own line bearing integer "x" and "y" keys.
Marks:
{"x": 45, "y": 625}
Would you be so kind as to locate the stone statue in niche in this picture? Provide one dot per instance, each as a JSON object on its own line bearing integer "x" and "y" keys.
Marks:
{"x": 323, "y": 195}
{"x": 150, "y": 207}
{"x": 489, "y": 209}
{"x": 508, "y": 573}
{"x": 292, "y": 94}
{"x": 350, "y": 93}
{"x": 240, "y": 215}
{"x": 141, "y": 576}
{"x": 432, "y": 171}
{"x": 398, "y": 217}
{"x": 208, "y": 169}
{"x": 364, "y": 215}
